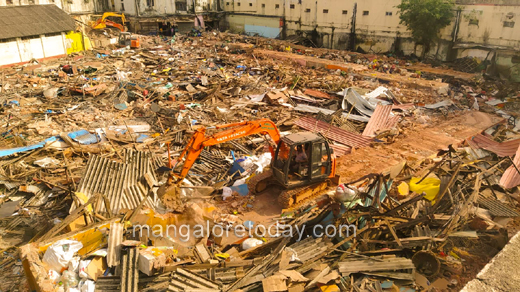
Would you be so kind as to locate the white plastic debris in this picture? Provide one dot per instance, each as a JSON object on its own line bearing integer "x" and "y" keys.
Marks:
{"x": 74, "y": 264}
{"x": 345, "y": 193}
{"x": 226, "y": 193}
{"x": 475, "y": 105}
{"x": 70, "y": 279}
{"x": 262, "y": 161}
{"x": 250, "y": 243}
{"x": 54, "y": 276}
{"x": 239, "y": 182}
{"x": 82, "y": 268}
{"x": 47, "y": 162}
{"x": 60, "y": 253}
{"x": 87, "y": 286}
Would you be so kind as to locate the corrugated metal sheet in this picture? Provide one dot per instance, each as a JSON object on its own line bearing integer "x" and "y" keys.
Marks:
{"x": 511, "y": 178}
{"x": 507, "y": 148}
{"x": 380, "y": 120}
{"x": 333, "y": 133}
{"x": 122, "y": 183}
{"x": 497, "y": 208}
{"x": 476, "y": 154}
{"x": 340, "y": 150}
{"x": 313, "y": 109}
{"x": 183, "y": 280}
{"x": 33, "y": 20}
{"x": 350, "y": 96}
{"x": 129, "y": 270}
{"x": 115, "y": 237}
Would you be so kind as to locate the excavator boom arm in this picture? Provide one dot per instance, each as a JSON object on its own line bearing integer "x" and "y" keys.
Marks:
{"x": 237, "y": 130}
{"x": 102, "y": 22}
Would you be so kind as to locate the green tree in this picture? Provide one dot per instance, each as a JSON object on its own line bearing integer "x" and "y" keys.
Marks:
{"x": 425, "y": 19}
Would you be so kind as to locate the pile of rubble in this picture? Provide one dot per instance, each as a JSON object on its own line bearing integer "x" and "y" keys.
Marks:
{"x": 90, "y": 142}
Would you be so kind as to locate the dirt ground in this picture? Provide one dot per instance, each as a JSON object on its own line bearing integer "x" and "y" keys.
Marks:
{"x": 417, "y": 141}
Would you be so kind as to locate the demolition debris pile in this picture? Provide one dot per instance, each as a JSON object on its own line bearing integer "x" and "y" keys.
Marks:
{"x": 91, "y": 144}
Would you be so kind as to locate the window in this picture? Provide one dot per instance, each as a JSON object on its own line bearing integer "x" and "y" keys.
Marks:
{"x": 325, "y": 11}
{"x": 277, "y": 6}
{"x": 238, "y": 4}
{"x": 345, "y": 11}
{"x": 227, "y": 3}
{"x": 251, "y": 4}
{"x": 509, "y": 24}
{"x": 365, "y": 12}
{"x": 292, "y": 6}
{"x": 389, "y": 13}
{"x": 308, "y": 10}
{"x": 473, "y": 22}
{"x": 122, "y": 5}
{"x": 179, "y": 6}
{"x": 9, "y": 2}
{"x": 263, "y": 5}
{"x": 150, "y": 3}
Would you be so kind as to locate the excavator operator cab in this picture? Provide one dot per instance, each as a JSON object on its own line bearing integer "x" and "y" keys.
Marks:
{"x": 301, "y": 159}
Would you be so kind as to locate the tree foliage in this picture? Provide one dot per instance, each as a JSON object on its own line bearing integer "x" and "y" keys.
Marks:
{"x": 425, "y": 19}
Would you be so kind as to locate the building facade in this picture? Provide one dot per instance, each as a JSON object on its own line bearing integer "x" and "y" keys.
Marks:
{"x": 159, "y": 16}
{"x": 33, "y": 32}
{"x": 484, "y": 29}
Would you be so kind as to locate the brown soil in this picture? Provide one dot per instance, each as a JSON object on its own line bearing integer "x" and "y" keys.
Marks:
{"x": 415, "y": 142}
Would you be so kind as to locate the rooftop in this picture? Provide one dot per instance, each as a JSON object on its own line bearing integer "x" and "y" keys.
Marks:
{"x": 33, "y": 20}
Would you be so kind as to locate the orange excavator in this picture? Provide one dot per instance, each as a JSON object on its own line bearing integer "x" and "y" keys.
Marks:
{"x": 302, "y": 163}
{"x": 103, "y": 22}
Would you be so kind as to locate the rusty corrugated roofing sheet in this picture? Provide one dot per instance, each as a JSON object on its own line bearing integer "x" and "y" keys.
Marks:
{"x": 380, "y": 120}
{"x": 507, "y": 148}
{"x": 333, "y": 133}
{"x": 511, "y": 178}
{"x": 340, "y": 150}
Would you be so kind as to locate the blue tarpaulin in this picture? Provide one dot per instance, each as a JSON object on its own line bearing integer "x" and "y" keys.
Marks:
{"x": 83, "y": 137}
{"x": 243, "y": 190}
{"x": 6, "y": 152}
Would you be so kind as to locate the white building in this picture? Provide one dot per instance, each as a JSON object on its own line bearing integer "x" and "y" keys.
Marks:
{"x": 150, "y": 16}
{"x": 33, "y": 32}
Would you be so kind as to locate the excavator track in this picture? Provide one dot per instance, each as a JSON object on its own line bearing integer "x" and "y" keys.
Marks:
{"x": 260, "y": 182}
{"x": 297, "y": 197}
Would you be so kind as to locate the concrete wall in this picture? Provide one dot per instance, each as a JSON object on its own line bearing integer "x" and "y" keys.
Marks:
{"x": 14, "y": 51}
{"x": 264, "y": 26}
{"x": 328, "y": 23}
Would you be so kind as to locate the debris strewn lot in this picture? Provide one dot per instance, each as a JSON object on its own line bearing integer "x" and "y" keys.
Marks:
{"x": 94, "y": 197}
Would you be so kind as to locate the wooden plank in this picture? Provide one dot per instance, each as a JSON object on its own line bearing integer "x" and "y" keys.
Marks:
{"x": 393, "y": 232}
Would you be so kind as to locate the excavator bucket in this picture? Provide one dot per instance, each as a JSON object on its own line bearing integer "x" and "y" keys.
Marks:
{"x": 170, "y": 196}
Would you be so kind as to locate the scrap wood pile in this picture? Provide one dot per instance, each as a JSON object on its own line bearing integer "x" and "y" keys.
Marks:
{"x": 89, "y": 140}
